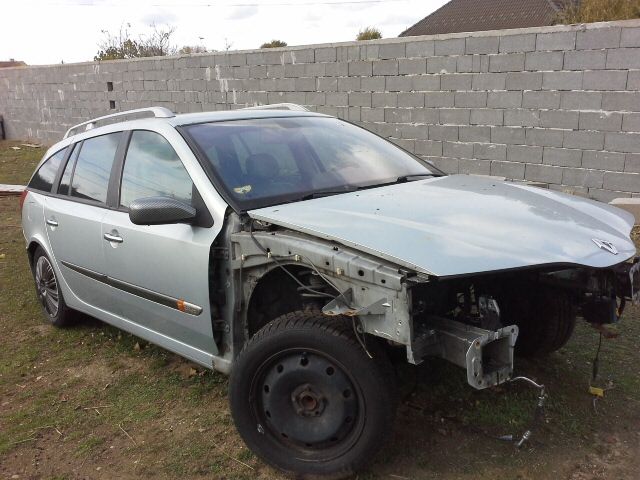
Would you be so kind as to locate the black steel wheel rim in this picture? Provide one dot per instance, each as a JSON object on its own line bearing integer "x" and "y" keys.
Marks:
{"x": 306, "y": 401}
{"x": 47, "y": 286}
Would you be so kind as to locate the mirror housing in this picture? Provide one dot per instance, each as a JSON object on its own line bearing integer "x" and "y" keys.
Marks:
{"x": 160, "y": 211}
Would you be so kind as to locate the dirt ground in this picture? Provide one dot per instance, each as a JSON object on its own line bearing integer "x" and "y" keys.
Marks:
{"x": 92, "y": 402}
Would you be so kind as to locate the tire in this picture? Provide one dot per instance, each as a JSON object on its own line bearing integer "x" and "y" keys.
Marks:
{"x": 546, "y": 319}
{"x": 308, "y": 400}
{"x": 48, "y": 291}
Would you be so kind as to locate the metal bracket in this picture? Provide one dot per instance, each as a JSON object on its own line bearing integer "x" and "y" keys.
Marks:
{"x": 342, "y": 305}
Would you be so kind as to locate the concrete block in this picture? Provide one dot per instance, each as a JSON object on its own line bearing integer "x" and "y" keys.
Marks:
{"x": 627, "y": 182}
{"x": 630, "y": 37}
{"x": 582, "y": 177}
{"x": 517, "y": 43}
{"x": 457, "y": 150}
{"x": 420, "y": 49}
{"x": 543, "y": 61}
{"x": 509, "y": 170}
{"x": 416, "y": 132}
{"x": 524, "y": 81}
{"x": 623, "y": 58}
{"x": 631, "y": 205}
{"x": 424, "y": 115}
{"x": 404, "y": 143}
{"x": 305, "y": 84}
{"x": 633, "y": 80}
{"x": 605, "y": 80}
{"x": 486, "y": 116}
{"x": 588, "y": 140}
{"x": 556, "y": 41}
{"x": 468, "y": 63}
{"x": 621, "y": 101}
{"x": 585, "y": 59}
{"x": 338, "y": 99}
{"x": 544, "y": 137}
{"x": 562, "y": 80}
{"x": 630, "y": 122}
{"x": 524, "y": 118}
{"x": 546, "y": 100}
{"x": 454, "y": 116}
{"x": 443, "y": 132}
{"x": 450, "y": 46}
{"x": 622, "y": 142}
{"x": 598, "y": 38}
{"x": 291, "y": 70}
{"x": 559, "y": 119}
{"x": 563, "y": 157}
{"x": 581, "y": 101}
{"x": 397, "y": 115}
{"x": 456, "y": 81}
{"x": 410, "y": 100}
{"x": 327, "y": 84}
{"x": 337, "y": 69}
{"x": 505, "y": 99}
{"x": 481, "y": 45}
{"x": 385, "y": 99}
{"x": 447, "y": 165}
{"x": 398, "y": 84}
{"x": 543, "y": 173}
{"x": 325, "y": 54}
{"x": 603, "y": 160}
{"x": 524, "y": 153}
{"x": 606, "y": 195}
{"x": 474, "y": 167}
{"x": 474, "y": 134}
{"x": 359, "y": 99}
{"x": 508, "y": 135}
{"x": 425, "y": 83}
{"x": 372, "y": 84}
{"x": 413, "y": 66}
{"x": 348, "y": 53}
{"x": 428, "y": 147}
{"x": 602, "y": 121}
{"x": 632, "y": 163}
{"x": 507, "y": 62}
{"x": 470, "y": 99}
{"x": 385, "y": 67}
{"x": 348, "y": 84}
{"x": 316, "y": 99}
{"x": 392, "y": 51}
{"x": 360, "y": 69}
{"x": 489, "y": 81}
{"x": 489, "y": 151}
{"x": 441, "y": 65}
{"x": 439, "y": 99}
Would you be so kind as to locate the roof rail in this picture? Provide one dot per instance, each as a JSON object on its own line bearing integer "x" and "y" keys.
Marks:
{"x": 279, "y": 106}
{"x": 158, "y": 112}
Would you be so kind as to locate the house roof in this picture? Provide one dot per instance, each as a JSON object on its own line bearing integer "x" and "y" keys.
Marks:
{"x": 12, "y": 63}
{"x": 476, "y": 15}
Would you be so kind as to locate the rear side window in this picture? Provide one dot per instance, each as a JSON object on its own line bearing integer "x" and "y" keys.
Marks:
{"x": 93, "y": 167}
{"x": 65, "y": 181}
{"x": 152, "y": 168}
{"x": 44, "y": 177}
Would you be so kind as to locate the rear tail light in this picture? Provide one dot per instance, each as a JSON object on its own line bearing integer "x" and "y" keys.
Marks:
{"x": 23, "y": 196}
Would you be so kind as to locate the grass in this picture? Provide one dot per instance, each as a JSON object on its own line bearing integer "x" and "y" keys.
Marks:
{"x": 85, "y": 398}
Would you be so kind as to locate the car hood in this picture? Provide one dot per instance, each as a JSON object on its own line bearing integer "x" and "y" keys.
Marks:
{"x": 464, "y": 224}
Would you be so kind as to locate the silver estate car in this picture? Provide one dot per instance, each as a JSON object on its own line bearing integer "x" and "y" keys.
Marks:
{"x": 299, "y": 253}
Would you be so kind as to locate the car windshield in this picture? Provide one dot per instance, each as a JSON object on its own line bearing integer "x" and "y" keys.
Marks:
{"x": 263, "y": 162}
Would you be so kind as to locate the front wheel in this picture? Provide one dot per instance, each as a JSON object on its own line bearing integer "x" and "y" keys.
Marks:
{"x": 54, "y": 307}
{"x": 307, "y": 399}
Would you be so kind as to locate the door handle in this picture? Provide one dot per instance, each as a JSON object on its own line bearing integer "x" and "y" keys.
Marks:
{"x": 113, "y": 238}
{"x": 52, "y": 222}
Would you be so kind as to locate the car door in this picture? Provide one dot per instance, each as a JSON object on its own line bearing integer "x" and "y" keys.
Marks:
{"x": 74, "y": 215}
{"x": 160, "y": 272}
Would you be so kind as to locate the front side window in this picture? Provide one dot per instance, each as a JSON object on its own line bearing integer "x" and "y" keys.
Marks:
{"x": 262, "y": 162}
{"x": 152, "y": 168}
{"x": 93, "y": 167}
{"x": 46, "y": 174}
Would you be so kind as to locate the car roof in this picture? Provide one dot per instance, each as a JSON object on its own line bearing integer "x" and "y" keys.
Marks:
{"x": 228, "y": 115}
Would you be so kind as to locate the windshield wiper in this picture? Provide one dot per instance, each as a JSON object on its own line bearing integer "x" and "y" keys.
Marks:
{"x": 408, "y": 178}
{"x": 329, "y": 192}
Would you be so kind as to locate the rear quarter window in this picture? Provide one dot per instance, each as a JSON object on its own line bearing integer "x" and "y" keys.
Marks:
{"x": 46, "y": 174}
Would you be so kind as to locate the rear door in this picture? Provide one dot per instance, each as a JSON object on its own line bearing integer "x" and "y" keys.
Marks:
{"x": 161, "y": 272}
{"x": 74, "y": 215}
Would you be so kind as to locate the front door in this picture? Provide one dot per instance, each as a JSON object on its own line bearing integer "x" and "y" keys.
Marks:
{"x": 160, "y": 272}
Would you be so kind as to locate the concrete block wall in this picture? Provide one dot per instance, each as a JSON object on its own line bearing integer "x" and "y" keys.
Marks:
{"x": 559, "y": 105}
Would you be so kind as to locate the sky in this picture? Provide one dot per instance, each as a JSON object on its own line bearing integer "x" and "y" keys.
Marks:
{"x": 51, "y": 31}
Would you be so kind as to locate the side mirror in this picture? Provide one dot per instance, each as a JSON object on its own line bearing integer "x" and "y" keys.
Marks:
{"x": 160, "y": 211}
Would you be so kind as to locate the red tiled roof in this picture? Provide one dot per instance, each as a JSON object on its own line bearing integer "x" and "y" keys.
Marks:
{"x": 12, "y": 63}
{"x": 475, "y": 15}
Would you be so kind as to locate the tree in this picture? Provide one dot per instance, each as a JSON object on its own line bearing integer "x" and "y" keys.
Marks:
{"x": 586, "y": 11}
{"x": 189, "y": 49}
{"x": 122, "y": 45}
{"x": 274, "y": 44}
{"x": 369, "y": 33}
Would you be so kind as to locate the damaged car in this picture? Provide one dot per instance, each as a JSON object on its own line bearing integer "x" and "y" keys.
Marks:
{"x": 298, "y": 253}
